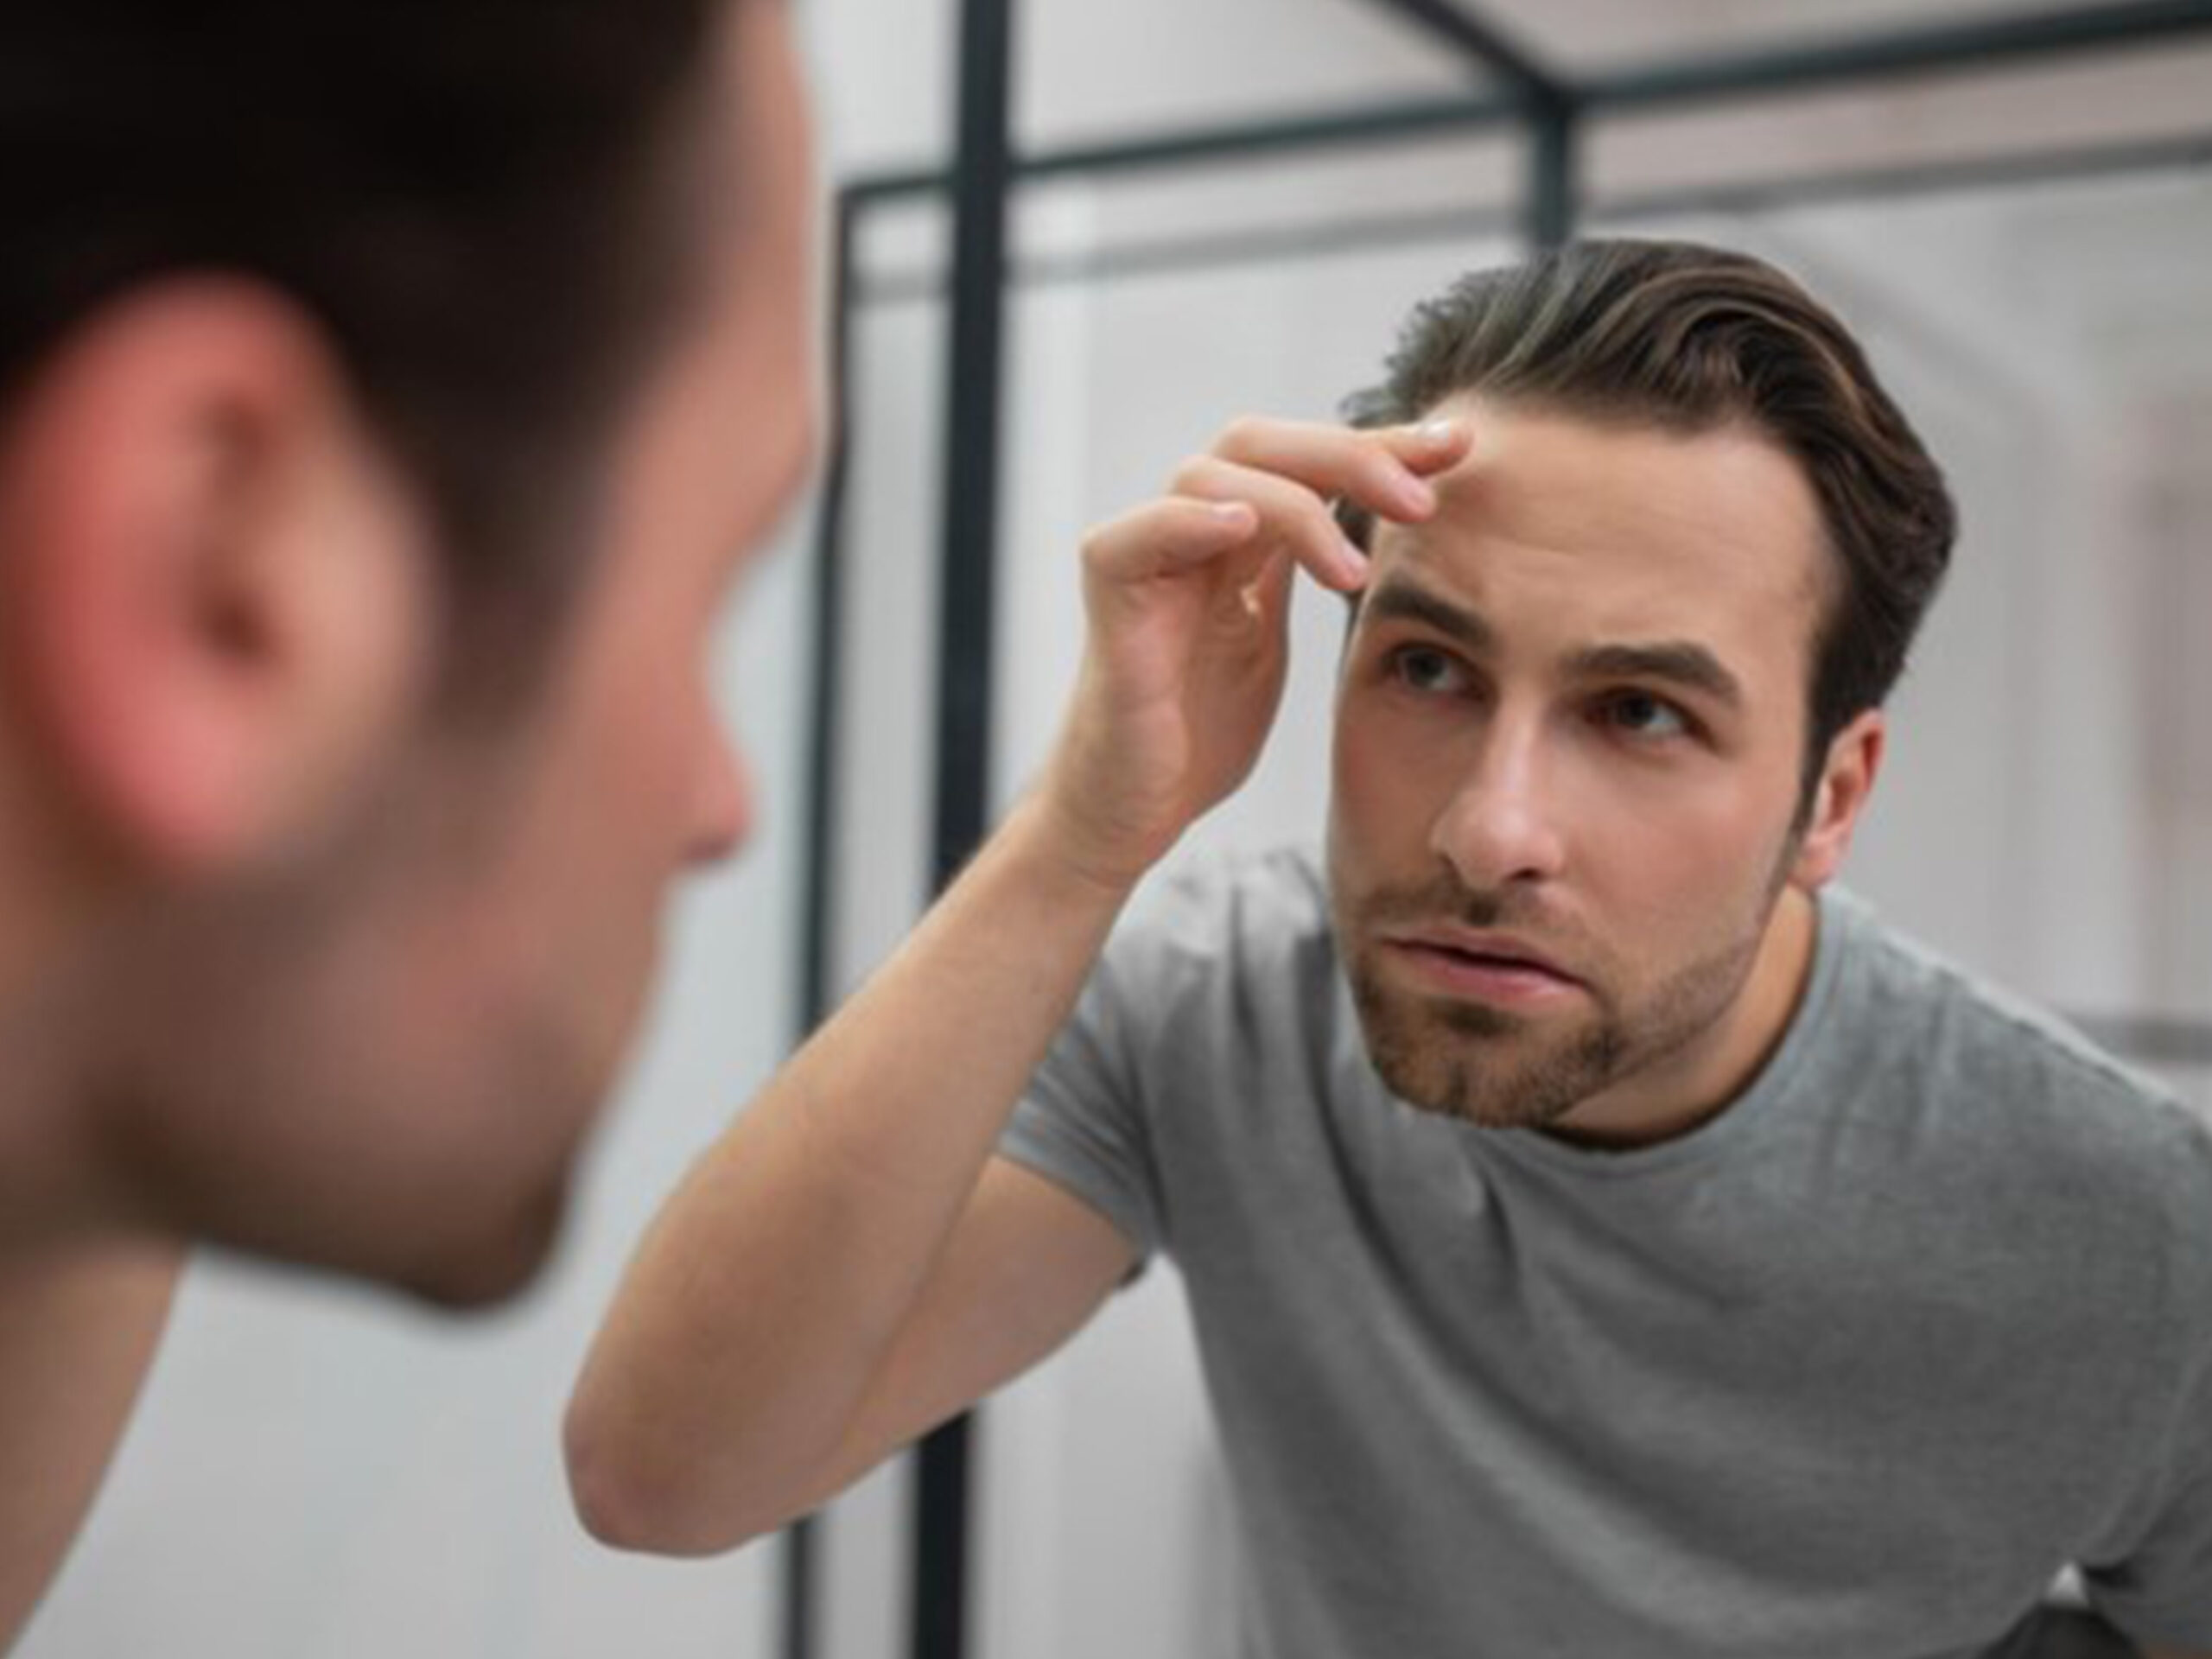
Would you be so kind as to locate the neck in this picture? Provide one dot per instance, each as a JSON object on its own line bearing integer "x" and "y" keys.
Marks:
{"x": 39, "y": 1133}
{"x": 1701, "y": 1083}
{"x": 52, "y": 1026}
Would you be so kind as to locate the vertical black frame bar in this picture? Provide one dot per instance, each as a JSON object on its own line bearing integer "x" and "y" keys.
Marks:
{"x": 1553, "y": 203}
{"x": 817, "y": 988}
{"x": 982, "y": 181}
{"x": 817, "y": 991}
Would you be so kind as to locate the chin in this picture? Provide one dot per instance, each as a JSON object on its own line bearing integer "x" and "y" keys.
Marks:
{"x": 491, "y": 1264}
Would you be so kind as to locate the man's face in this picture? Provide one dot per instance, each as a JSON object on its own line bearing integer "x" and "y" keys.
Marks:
{"x": 398, "y": 1055}
{"x": 1569, "y": 740}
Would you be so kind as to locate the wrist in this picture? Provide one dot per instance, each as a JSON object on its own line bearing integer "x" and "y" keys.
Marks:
{"x": 1068, "y": 854}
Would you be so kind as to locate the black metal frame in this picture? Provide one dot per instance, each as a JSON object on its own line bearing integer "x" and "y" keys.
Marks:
{"x": 1551, "y": 110}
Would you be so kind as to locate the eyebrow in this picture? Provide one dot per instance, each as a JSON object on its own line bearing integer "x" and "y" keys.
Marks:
{"x": 1677, "y": 661}
{"x": 1681, "y": 663}
{"x": 1402, "y": 601}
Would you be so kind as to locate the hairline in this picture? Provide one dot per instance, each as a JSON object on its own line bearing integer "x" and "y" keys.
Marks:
{"x": 1830, "y": 568}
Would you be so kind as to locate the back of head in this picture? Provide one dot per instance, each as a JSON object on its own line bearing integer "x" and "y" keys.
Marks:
{"x": 355, "y": 972}
{"x": 1689, "y": 339}
{"x": 473, "y": 198}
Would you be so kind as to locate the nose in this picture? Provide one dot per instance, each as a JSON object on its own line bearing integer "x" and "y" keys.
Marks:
{"x": 1501, "y": 824}
{"x": 721, "y": 807}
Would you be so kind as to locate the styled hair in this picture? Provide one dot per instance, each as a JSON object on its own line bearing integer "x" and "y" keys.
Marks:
{"x": 475, "y": 200}
{"x": 1690, "y": 339}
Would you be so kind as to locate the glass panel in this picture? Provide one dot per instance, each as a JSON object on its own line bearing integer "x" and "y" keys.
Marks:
{"x": 2046, "y": 808}
{"x": 2091, "y": 104}
{"x": 1256, "y": 212}
{"x": 1093, "y": 72}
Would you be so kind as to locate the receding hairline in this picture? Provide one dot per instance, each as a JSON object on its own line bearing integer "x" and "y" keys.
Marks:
{"x": 1820, "y": 584}
{"x": 1615, "y": 414}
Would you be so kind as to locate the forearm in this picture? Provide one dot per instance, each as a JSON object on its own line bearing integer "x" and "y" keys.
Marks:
{"x": 77, "y": 1333}
{"x": 767, "y": 1296}
{"x": 755, "y": 1354}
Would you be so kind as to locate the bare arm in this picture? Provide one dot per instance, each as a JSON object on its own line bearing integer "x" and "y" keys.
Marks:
{"x": 848, "y": 1264}
{"x": 77, "y": 1332}
{"x": 769, "y": 1295}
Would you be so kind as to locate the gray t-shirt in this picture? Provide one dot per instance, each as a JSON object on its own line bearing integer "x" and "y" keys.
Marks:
{"x": 1849, "y": 1372}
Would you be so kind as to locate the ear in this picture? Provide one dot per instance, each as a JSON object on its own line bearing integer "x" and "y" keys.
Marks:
{"x": 1847, "y": 780}
{"x": 214, "y": 589}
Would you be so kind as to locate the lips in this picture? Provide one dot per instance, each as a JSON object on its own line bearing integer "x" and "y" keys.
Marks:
{"x": 1486, "y": 949}
{"x": 1479, "y": 964}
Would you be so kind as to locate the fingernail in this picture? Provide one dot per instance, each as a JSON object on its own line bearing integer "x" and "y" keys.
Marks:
{"x": 1352, "y": 558}
{"x": 1438, "y": 434}
{"x": 1416, "y": 495}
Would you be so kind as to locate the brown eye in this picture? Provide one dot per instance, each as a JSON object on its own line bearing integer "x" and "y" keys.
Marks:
{"x": 1642, "y": 715}
{"x": 1424, "y": 668}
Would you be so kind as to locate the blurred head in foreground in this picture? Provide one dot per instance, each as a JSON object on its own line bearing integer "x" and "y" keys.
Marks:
{"x": 389, "y": 395}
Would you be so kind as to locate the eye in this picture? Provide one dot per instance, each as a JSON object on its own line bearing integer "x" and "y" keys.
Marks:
{"x": 1426, "y": 669}
{"x": 1644, "y": 715}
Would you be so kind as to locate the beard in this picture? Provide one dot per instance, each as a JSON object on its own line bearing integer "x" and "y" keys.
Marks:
{"x": 1497, "y": 1069}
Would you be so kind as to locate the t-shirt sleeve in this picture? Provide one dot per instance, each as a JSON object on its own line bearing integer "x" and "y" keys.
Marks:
{"x": 2162, "y": 1593}
{"x": 1083, "y": 1123}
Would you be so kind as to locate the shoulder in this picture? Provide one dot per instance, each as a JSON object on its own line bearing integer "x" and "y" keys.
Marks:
{"x": 1222, "y": 945}
{"x": 1952, "y": 1016}
{"x": 1210, "y": 908}
{"x": 2034, "y": 1099}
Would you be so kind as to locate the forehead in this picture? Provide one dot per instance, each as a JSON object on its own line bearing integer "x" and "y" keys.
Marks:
{"x": 725, "y": 428}
{"x": 754, "y": 194}
{"x": 1603, "y": 532}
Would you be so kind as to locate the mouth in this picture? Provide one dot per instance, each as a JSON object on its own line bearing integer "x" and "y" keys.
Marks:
{"x": 1480, "y": 967}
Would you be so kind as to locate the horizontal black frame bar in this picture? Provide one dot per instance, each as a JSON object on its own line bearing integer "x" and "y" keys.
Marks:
{"x": 1257, "y": 141}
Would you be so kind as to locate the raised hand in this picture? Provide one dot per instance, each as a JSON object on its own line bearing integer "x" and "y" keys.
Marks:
{"x": 1187, "y": 598}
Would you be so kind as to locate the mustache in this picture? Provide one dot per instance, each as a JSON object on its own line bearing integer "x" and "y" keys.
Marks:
{"x": 1447, "y": 899}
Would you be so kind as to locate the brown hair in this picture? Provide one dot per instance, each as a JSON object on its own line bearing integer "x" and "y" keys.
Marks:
{"x": 1691, "y": 338}
{"x": 473, "y": 198}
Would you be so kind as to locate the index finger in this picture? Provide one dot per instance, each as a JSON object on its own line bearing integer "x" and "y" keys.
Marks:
{"x": 1383, "y": 469}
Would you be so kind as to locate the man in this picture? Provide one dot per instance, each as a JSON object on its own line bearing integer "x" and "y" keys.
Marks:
{"x": 1602, "y": 1239}
{"x": 387, "y": 396}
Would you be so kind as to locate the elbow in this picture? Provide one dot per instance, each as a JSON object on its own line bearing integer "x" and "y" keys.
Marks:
{"x": 614, "y": 1505}
{"x": 624, "y": 1501}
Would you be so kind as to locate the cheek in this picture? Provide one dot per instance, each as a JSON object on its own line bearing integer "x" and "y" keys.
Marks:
{"x": 1692, "y": 869}
{"x": 1362, "y": 814}
{"x": 1381, "y": 779}
{"x": 636, "y": 714}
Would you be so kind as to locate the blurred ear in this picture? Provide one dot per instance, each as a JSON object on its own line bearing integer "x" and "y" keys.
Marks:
{"x": 1847, "y": 780}
{"x": 214, "y": 593}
